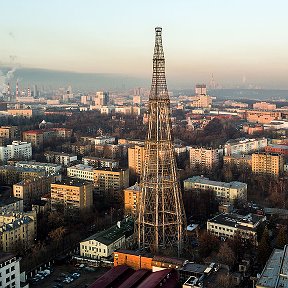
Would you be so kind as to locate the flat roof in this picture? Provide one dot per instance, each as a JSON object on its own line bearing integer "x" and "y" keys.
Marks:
{"x": 5, "y": 257}
{"x": 72, "y": 182}
{"x": 82, "y": 167}
{"x": 244, "y": 140}
{"x": 285, "y": 147}
{"x": 204, "y": 180}
{"x": 238, "y": 221}
{"x": 113, "y": 233}
{"x": 37, "y": 163}
{"x": 275, "y": 272}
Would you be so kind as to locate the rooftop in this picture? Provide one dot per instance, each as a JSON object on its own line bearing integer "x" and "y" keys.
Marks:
{"x": 136, "y": 187}
{"x": 284, "y": 147}
{"x": 82, "y": 167}
{"x": 247, "y": 222}
{"x": 5, "y": 257}
{"x": 243, "y": 140}
{"x": 204, "y": 180}
{"x": 275, "y": 272}
{"x": 72, "y": 182}
{"x": 110, "y": 235}
{"x": 37, "y": 163}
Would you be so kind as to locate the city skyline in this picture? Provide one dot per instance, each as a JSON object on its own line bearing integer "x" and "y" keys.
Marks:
{"x": 236, "y": 42}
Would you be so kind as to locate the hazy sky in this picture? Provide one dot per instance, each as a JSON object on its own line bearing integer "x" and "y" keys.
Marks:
{"x": 229, "y": 38}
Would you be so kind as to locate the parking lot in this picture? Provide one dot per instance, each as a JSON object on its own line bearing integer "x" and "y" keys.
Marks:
{"x": 65, "y": 276}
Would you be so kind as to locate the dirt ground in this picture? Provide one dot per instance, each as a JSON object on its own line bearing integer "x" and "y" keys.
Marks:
{"x": 87, "y": 276}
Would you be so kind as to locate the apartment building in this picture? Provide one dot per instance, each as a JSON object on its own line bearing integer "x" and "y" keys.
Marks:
{"x": 17, "y": 227}
{"x": 111, "y": 180}
{"x": 201, "y": 101}
{"x": 81, "y": 148}
{"x": 10, "y": 175}
{"x": 97, "y": 162}
{"x": 261, "y": 116}
{"x": 50, "y": 168}
{"x": 104, "y": 243}
{"x": 240, "y": 161}
{"x": 268, "y": 163}
{"x": 224, "y": 192}
{"x": 81, "y": 171}
{"x": 17, "y": 150}
{"x": 8, "y": 203}
{"x": 264, "y": 106}
{"x": 100, "y": 140}
{"x": 230, "y": 225}
{"x": 131, "y": 199}
{"x": 9, "y": 132}
{"x": 9, "y": 270}
{"x": 244, "y": 146}
{"x": 72, "y": 193}
{"x": 32, "y": 189}
{"x": 206, "y": 158}
{"x": 35, "y": 137}
{"x": 136, "y": 156}
{"x": 26, "y": 113}
{"x": 60, "y": 158}
{"x": 279, "y": 149}
{"x": 251, "y": 129}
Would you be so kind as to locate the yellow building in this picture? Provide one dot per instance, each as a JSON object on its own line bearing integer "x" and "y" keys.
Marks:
{"x": 17, "y": 228}
{"x": 131, "y": 199}
{"x": 27, "y": 113}
{"x": 238, "y": 160}
{"x": 35, "y": 137}
{"x": 10, "y": 175}
{"x": 136, "y": 156}
{"x": 33, "y": 188}
{"x": 267, "y": 163}
{"x": 111, "y": 180}
{"x": 9, "y": 132}
{"x": 72, "y": 193}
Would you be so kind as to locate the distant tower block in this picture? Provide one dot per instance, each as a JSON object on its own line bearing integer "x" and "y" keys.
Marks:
{"x": 161, "y": 223}
{"x": 201, "y": 89}
{"x": 29, "y": 92}
{"x": 17, "y": 89}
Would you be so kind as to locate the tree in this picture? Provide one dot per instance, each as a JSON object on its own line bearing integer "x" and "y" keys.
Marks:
{"x": 57, "y": 234}
{"x": 281, "y": 239}
{"x": 207, "y": 244}
{"x": 226, "y": 255}
{"x": 264, "y": 249}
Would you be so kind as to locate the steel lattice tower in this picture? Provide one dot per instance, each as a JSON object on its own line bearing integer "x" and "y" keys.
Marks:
{"x": 161, "y": 222}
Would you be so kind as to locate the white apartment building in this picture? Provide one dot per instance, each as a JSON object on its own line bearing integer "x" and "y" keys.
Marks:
{"x": 17, "y": 150}
{"x": 100, "y": 140}
{"x": 60, "y": 158}
{"x": 100, "y": 162}
{"x": 104, "y": 243}
{"x": 229, "y": 225}
{"x": 204, "y": 157}
{"x": 9, "y": 270}
{"x": 50, "y": 168}
{"x": 81, "y": 171}
{"x": 224, "y": 192}
{"x": 244, "y": 146}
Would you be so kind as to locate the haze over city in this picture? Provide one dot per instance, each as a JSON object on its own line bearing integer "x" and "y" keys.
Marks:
{"x": 239, "y": 42}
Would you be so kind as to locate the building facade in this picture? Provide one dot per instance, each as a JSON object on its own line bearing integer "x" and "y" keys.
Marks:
{"x": 264, "y": 106}
{"x": 17, "y": 150}
{"x": 136, "y": 156}
{"x": 9, "y": 132}
{"x": 9, "y": 270}
{"x": 131, "y": 199}
{"x": 206, "y": 158}
{"x": 268, "y": 163}
{"x": 35, "y": 137}
{"x": 235, "y": 225}
{"x": 224, "y": 192}
{"x": 104, "y": 243}
{"x": 244, "y": 146}
{"x": 50, "y": 168}
{"x": 72, "y": 193}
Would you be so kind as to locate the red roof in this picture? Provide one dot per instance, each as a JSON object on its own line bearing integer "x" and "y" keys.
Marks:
{"x": 135, "y": 279}
{"x": 33, "y": 132}
{"x": 113, "y": 278}
{"x": 168, "y": 278}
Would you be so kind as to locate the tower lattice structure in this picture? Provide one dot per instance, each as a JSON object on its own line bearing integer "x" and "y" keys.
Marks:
{"x": 161, "y": 220}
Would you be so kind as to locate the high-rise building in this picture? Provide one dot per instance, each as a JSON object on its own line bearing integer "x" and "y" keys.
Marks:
{"x": 161, "y": 221}
{"x": 205, "y": 158}
{"x": 267, "y": 163}
{"x": 136, "y": 157}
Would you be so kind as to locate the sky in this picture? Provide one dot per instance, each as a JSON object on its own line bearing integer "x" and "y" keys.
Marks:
{"x": 239, "y": 41}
